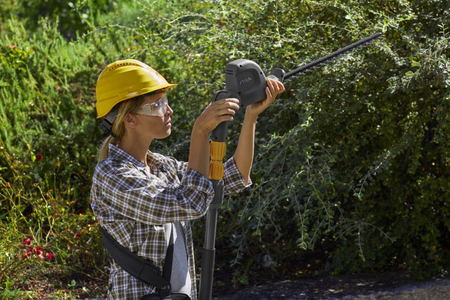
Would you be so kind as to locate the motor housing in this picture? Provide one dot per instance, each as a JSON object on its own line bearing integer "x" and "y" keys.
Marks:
{"x": 246, "y": 78}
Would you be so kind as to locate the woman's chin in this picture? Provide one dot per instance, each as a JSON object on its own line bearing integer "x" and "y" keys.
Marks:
{"x": 165, "y": 134}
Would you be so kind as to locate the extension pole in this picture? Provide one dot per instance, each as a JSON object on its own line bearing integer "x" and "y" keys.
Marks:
{"x": 209, "y": 250}
{"x": 217, "y": 150}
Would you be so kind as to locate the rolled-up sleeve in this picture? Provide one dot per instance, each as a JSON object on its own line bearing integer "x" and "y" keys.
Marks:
{"x": 233, "y": 180}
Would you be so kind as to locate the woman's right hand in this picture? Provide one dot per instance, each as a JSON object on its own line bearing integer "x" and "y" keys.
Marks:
{"x": 216, "y": 113}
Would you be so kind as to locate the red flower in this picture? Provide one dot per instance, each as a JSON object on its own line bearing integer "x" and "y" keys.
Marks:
{"x": 38, "y": 157}
{"x": 41, "y": 256}
{"x": 49, "y": 256}
{"x": 77, "y": 235}
{"x": 27, "y": 241}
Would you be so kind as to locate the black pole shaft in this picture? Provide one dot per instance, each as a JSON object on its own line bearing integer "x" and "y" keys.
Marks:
{"x": 209, "y": 250}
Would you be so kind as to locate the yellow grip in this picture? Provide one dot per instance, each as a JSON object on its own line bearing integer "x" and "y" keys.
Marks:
{"x": 216, "y": 170}
{"x": 217, "y": 152}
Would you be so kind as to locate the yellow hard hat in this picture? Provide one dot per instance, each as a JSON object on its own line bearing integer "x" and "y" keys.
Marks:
{"x": 125, "y": 79}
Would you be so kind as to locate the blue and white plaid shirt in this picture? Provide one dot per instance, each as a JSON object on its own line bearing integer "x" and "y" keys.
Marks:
{"x": 133, "y": 204}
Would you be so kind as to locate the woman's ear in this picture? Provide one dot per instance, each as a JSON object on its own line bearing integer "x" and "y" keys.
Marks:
{"x": 130, "y": 121}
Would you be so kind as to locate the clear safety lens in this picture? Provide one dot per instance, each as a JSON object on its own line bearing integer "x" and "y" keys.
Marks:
{"x": 157, "y": 109}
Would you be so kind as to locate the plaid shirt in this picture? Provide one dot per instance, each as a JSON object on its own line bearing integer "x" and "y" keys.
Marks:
{"x": 132, "y": 204}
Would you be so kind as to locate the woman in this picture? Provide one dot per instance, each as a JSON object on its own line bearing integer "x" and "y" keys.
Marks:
{"x": 141, "y": 197}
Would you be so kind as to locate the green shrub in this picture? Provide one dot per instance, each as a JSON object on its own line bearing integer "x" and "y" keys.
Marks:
{"x": 73, "y": 17}
{"x": 350, "y": 158}
{"x": 48, "y": 145}
{"x": 351, "y": 165}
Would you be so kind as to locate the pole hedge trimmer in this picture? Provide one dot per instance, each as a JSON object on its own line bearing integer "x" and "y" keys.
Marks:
{"x": 245, "y": 81}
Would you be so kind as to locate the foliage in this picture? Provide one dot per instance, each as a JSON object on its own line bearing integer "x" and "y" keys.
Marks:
{"x": 72, "y": 16}
{"x": 350, "y": 158}
{"x": 351, "y": 163}
{"x": 46, "y": 157}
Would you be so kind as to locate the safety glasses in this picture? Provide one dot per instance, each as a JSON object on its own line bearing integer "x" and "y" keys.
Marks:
{"x": 155, "y": 109}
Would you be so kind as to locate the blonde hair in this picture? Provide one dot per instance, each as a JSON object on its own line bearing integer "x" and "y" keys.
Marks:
{"x": 118, "y": 127}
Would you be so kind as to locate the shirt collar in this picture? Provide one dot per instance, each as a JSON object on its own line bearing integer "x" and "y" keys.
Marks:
{"x": 116, "y": 153}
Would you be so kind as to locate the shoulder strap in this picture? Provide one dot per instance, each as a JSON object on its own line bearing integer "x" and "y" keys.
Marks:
{"x": 138, "y": 267}
{"x": 167, "y": 269}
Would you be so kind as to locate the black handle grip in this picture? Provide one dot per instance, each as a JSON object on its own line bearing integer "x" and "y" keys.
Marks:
{"x": 220, "y": 133}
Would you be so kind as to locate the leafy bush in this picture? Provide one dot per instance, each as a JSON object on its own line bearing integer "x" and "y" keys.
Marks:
{"x": 349, "y": 159}
{"x": 351, "y": 165}
{"x": 73, "y": 17}
{"x": 47, "y": 152}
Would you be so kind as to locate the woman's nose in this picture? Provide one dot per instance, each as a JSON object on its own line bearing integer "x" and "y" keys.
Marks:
{"x": 169, "y": 110}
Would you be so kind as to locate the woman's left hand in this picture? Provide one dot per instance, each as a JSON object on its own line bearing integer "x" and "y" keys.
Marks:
{"x": 274, "y": 88}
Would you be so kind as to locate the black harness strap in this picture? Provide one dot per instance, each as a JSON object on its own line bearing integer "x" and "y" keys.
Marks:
{"x": 138, "y": 267}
